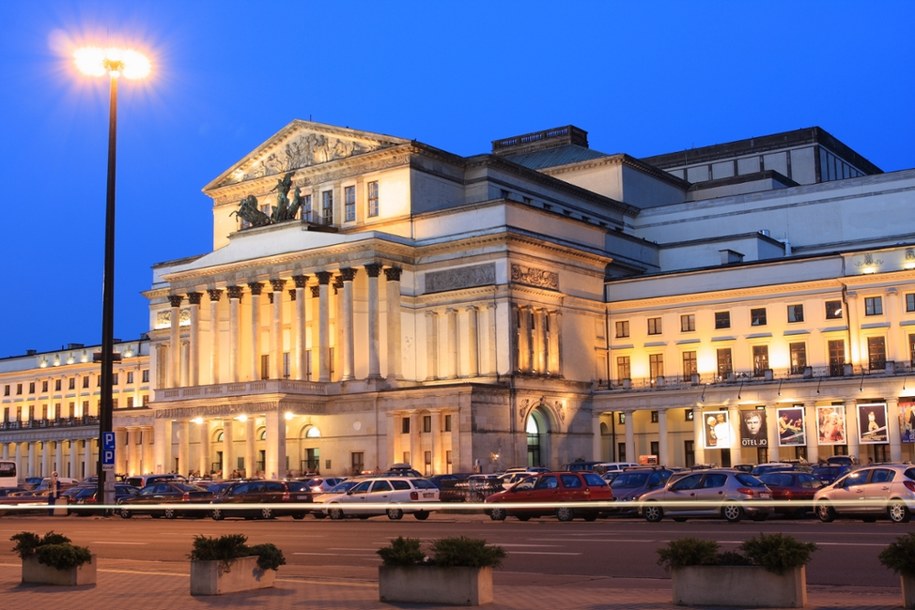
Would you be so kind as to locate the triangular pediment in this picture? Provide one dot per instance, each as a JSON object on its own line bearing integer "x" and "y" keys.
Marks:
{"x": 302, "y": 144}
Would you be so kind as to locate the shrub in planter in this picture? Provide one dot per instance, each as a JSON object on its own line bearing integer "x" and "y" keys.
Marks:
{"x": 226, "y": 564}
{"x": 226, "y": 549}
{"x": 777, "y": 553}
{"x": 899, "y": 556}
{"x": 52, "y": 559}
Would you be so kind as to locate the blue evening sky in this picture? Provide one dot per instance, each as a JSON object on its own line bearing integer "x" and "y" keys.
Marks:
{"x": 642, "y": 77}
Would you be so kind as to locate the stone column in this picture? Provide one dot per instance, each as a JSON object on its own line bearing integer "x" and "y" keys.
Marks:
{"x": 851, "y": 428}
{"x": 234, "y": 293}
{"x": 203, "y": 449}
{"x": 276, "y": 332}
{"x": 184, "y": 447}
{"x": 121, "y": 451}
{"x": 133, "y": 459}
{"x": 663, "y": 441}
{"x": 323, "y": 351}
{"x": 58, "y": 458}
{"x": 524, "y": 339}
{"x": 893, "y": 433}
{"x": 87, "y": 457}
{"x": 312, "y": 321}
{"x": 417, "y": 459}
{"x": 193, "y": 363}
{"x": 275, "y": 465}
{"x": 249, "y": 447}
{"x": 894, "y": 351}
{"x": 214, "y": 295}
{"x": 73, "y": 460}
{"x": 299, "y": 328}
{"x": 254, "y": 362}
{"x": 348, "y": 275}
{"x": 698, "y": 436}
{"x": 228, "y": 459}
{"x": 630, "y": 437}
{"x": 554, "y": 360}
{"x": 597, "y": 439}
{"x": 438, "y": 453}
{"x": 174, "y": 341}
{"x": 490, "y": 361}
{"x": 812, "y": 429}
{"x": 394, "y": 353}
{"x": 373, "y": 271}
{"x": 432, "y": 355}
{"x": 851, "y": 318}
{"x": 451, "y": 361}
{"x": 473, "y": 343}
{"x": 538, "y": 340}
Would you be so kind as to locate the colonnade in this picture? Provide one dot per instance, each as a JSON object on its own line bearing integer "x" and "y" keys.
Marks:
{"x": 74, "y": 457}
{"x": 537, "y": 340}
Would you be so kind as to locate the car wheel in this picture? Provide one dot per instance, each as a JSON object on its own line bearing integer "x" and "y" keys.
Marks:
{"x": 898, "y": 512}
{"x": 564, "y": 513}
{"x": 421, "y": 515}
{"x": 125, "y": 514}
{"x": 335, "y": 513}
{"x": 498, "y": 514}
{"x": 732, "y": 512}
{"x": 395, "y": 514}
{"x": 826, "y": 513}
{"x": 170, "y": 513}
{"x": 523, "y": 517}
{"x": 217, "y": 514}
{"x": 653, "y": 513}
{"x": 266, "y": 513}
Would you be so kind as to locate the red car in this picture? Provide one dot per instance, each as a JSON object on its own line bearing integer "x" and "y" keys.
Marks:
{"x": 542, "y": 493}
{"x": 792, "y": 486}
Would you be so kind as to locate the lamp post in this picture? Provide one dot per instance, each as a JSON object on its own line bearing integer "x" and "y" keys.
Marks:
{"x": 113, "y": 63}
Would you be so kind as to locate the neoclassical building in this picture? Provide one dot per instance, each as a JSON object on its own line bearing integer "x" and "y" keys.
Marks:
{"x": 371, "y": 300}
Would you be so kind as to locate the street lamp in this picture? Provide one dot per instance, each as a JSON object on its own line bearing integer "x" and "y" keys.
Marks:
{"x": 115, "y": 63}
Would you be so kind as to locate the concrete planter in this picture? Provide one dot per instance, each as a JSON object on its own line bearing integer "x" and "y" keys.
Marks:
{"x": 37, "y": 573}
{"x": 212, "y": 577}
{"x": 908, "y": 590}
{"x": 455, "y": 586}
{"x": 739, "y": 586}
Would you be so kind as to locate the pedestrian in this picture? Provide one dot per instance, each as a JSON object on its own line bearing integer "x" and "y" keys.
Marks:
{"x": 53, "y": 492}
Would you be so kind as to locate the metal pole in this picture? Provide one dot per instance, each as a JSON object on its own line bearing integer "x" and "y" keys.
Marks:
{"x": 106, "y": 406}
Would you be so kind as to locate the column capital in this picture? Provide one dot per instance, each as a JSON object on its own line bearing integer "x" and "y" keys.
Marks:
{"x": 234, "y": 292}
{"x": 194, "y": 298}
{"x": 315, "y": 291}
{"x": 300, "y": 280}
{"x": 175, "y": 300}
{"x": 277, "y": 285}
{"x": 392, "y": 274}
{"x": 323, "y": 277}
{"x": 373, "y": 269}
{"x": 214, "y": 294}
{"x": 256, "y": 288}
{"x": 348, "y": 274}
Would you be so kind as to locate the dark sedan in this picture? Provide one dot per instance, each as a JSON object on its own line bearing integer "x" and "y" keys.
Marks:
{"x": 87, "y": 497}
{"x": 263, "y": 500}
{"x": 149, "y": 501}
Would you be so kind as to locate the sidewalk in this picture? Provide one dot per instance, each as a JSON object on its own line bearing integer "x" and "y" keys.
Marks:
{"x": 156, "y": 585}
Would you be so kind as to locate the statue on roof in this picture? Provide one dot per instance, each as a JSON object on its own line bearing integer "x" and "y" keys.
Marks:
{"x": 284, "y": 210}
{"x": 249, "y": 212}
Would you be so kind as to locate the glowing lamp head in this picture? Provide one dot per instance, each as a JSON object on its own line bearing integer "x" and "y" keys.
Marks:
{"x": 96, "y": 61}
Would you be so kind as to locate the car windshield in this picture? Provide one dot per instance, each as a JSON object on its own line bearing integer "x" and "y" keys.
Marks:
{"x": 629, "y": 480}
{"x": 749, "y": 480}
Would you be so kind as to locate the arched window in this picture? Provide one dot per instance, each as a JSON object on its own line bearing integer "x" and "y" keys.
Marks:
{"x": 312, "y": 432}
{"x": 536, "y": 428}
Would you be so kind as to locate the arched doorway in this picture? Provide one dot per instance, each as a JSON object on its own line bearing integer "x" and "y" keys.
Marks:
{"x": 538, "y": 431}
{"x": 311, "y": 452}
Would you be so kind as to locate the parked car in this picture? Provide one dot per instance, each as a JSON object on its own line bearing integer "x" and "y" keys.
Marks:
{"x": 630, "y": 485}
{"x": 794, "y": 489}
{"x": 264, "y": 500}
{"x": 85, "y": 495}
{"x": 760, "y": 469}
{"x": 828, "y": 473}
{"x": 401, "y": 490}
{"x": 452, "y": 487}
{"x": 141, "y": 481}
{"x": 31, "y": 482}
{"x": 868, "y": 493}
{"x": 321, "y": 484}
{"x": 714, "y": 492}
{"x": 549, "y": 489}
{"x": 581, "y": 465}
{"x": 148, "y": 500}
{"x": 604, "y": 467}
{"x": 402, "y": 470}
{"x": 478, "y": 486}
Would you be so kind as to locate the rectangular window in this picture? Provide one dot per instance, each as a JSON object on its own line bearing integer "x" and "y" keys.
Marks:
{"x": 145, "y": 375}
{"x": 145, "y": 400}
{"x": 876, "y": 353}
{"x": 654, "y": 326}
{"x": 265, "y": 366}
{"x": 130, "y": 377}
{"x": 427, "y": 424}
{"x": 447, "y": 423}
{"x": 758, "y": 316}
{"x": 690, "y": 366}
{"x": 86, "y": 379}
{"x": 760, "y": 360}
{"x": 130, "y": 402}
{"x": 656, "y": 366}
{"x": 372, "y": 195}
{"x": 327, "y": 207}
{"x": 31, "y": 387}
{"x": 6, "y": 390}
{"x": 688, "y": 415}
{"x": 688, "y": 323}
{"x": 795, "y": 313}
{"x": 873, "y": 306}
{"x": 912, "y": 350}
{"x": 405, "y": 425}
{"x": 798, "y": 355}
{"x": 357, "y": 462}
{"x": 349, "y": 203}
{"x": 622, "y": 329}
{"x": 307, "y": 211}
{"x": 654, "y": 417}
{"x": 44, "y": 386}
{"x": 286, "y": 370}
{"x": 836, "y": 349}
{"x": 833, "y": 310}
{"x": 18, "y": 389}
{"x": 910, "y": 301}
{"x": 622, "y": 368}
{"x": 724, "y": 363}
{"x": 57, "y": 385}
{"x": 722, "y": 319}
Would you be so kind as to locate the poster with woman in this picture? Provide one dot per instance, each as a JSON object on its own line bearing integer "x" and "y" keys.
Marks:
{"x": 791, "y": 432}
{"x": 717, "y": 430}
{"x": 872, "y": 423}
{"x": 831, "y": 425}
{"x": 907, "y": 421}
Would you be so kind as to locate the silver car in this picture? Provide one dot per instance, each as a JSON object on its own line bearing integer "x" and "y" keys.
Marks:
{"x": 869, "y": 492}
{"x": 715, "y": 492}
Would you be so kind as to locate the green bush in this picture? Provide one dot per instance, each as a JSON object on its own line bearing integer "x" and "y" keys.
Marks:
{"x": 52, "y": 549}
{"x": 454, "y": 552}
{"x": 230, "y": 547}
{"x": 777, "y": 552}
{"x": 688, "y": 552}
{"x": 899, "y": 556}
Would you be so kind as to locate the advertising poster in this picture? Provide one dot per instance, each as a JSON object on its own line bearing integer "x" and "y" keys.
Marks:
{"x": 831, "y": 425}
{"x": 872, "y": 423}
{"x": 753, "y": 429}
{"x": 791, "y": 431}
{"x": 907, "y": 421}
{"x": 717, "y": 430}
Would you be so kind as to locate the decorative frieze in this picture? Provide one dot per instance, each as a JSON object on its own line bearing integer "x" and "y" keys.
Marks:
{"x": 531, "y": 276}
{"x": 462, "y": 277}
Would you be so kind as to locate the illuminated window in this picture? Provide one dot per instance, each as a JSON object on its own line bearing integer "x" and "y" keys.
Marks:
{"x": 654, "y": 326}
{"x": 622, "y": 368}
{"x": 876, "y": 353}
{"x": 912, "y": 350}
{"x": 622, "y": 329}
{"x": 349, "y": 203}
{"x": 427, "y": 424}
{"x": 688, "y": 414}
{"x": 690, "y": 365}
{"x": 760, "y": 360}
{"x": 758, "y": 316}
{"x": 405, "y": 425}
{"x": 372, "y": 193}
{"x": 327, "y": 207}
{"x": 873, "y": 306}
{"x": 654, "y": 417}
{"x": 687, "y": 323}
{"x": 910, "y": 301}
{"x": 724, "y": 362}
{"x": 722, "y": 319}
{"x": 44, "y": 386}
{"x": 656, "y": 366}
{"x": 307, "y": 212}
{"x": 833, "y": 310}
{"x": 836, "y": 349}
{"x": 795, "y": 313}
{"x": 798, "y": 352}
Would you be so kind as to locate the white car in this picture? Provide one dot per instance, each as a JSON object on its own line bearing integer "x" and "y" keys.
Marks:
{"x": 363, "y": 499}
